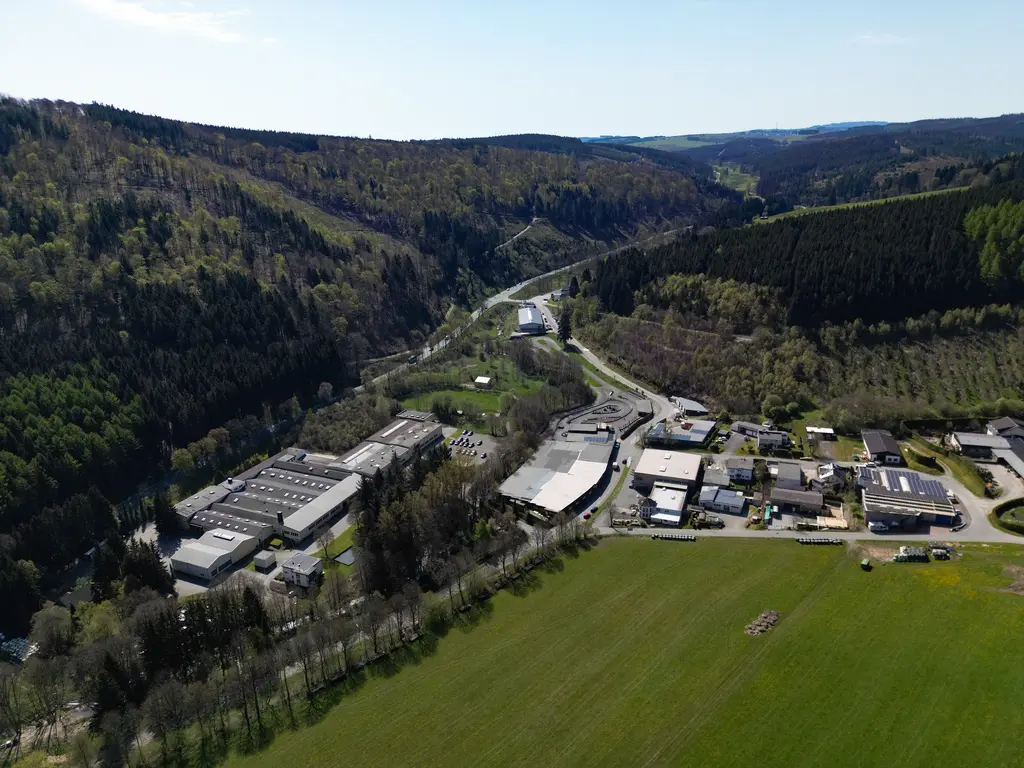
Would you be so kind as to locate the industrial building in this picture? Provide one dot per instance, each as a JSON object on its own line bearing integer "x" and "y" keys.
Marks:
{"x": 686, "y": 407}
{"x": 666, "y": 505}
{"x": 657, "y": 466}
{"x": 722, "y": 500}
{"x": 880, "y": 446}
{"x": 687, "y": 434}
{"x": 901, "y": 498}
{"x": 212, "y": 553}
{"x": 562, "y": 473}
{"x": 1006, "y": 427}
{"x": 531, "y": 320}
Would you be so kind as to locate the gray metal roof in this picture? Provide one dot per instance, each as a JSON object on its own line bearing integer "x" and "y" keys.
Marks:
{"x": 788, "y": 471}
{"x": 880, "y": 441}
{"x": 321, "y": 507}
{"x": 740, "y": 462}
{"x": 530, "y": 316}
{"x": 799, "y": 498}
{"x": 978, "y": 440}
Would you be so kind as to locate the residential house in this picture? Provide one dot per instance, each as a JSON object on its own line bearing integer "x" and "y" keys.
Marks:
{"x": 797, "y": 502}
{"x": 302, "y": 570}
{"x": 830, "y": 477}
{"x": 740, "y": 468}
{"x": 722, "y": 500}
{"x": 768, "y": 439}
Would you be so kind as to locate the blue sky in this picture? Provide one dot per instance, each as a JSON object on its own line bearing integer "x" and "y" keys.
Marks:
{"x": 422, "y": 69}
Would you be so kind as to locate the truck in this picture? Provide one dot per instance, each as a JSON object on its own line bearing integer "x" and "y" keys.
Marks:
{"x": 707, "y": 520}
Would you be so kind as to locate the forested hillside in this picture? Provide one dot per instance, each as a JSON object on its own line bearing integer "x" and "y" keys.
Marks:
{"x": 159, "y": 280}
{"x": 875, "y": 313}
{"x": 876, "y": 262}
{"x": 862, "y": 162}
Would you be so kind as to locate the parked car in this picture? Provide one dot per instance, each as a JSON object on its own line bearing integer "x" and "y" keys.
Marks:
{"x": 483, "y": 455}
{"x": 877, "y": 527}
{"x": 586, "y": 515}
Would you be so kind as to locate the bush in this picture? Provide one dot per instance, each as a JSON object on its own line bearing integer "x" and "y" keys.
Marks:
{"x": 276, "y": 543}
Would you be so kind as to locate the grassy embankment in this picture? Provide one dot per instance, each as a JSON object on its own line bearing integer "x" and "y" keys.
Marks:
{"x": 636, "y": 655}
{"x": 960, "y": 468}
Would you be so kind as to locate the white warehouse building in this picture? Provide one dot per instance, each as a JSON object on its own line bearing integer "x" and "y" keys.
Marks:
{"x": 212, "y": 553}
{"x": 530, "y": 320}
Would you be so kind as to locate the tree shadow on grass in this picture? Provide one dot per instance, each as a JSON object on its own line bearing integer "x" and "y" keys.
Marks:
{"x": 553, "y": 565}
{"x": 525, "y": 584}
{"x": 474, "y": 615}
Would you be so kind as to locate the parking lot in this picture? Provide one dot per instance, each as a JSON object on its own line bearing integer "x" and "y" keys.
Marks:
{"x": 471, "y": 447}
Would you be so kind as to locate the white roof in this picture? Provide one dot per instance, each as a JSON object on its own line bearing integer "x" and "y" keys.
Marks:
{"x": 207, "y": 551}
{"x": 482, "y": 380}
{"x": 666, "y": 518}
{"x": 668, "y": 465}
{"x": 665, "y": 497}
{"x": 567, "y": 487}
{"x": 819, "y": 430}
{"x": 300, "y": 562}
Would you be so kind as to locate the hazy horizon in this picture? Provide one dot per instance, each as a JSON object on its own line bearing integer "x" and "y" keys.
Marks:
{"x": 456, "y": 69}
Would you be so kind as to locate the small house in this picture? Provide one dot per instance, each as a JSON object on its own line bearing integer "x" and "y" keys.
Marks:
{"x": 482, "y": 382}
{"x": 789, "y": 476}
{"x": 303, "y": 570}
{"x": 740, "y": 468}
{"x": 880, "y": 446}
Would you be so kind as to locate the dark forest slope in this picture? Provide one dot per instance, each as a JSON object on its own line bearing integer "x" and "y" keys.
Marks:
{"x": 160, "y": 279}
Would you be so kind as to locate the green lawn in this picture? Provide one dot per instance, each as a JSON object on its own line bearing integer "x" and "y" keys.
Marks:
{"x": 635, "y": 655}
{"x": 732, "y": 177}
{"x": 488, "y": 402}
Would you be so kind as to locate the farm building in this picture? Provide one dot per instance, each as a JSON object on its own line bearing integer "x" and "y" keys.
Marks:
{"x": 880, "y": 446}
{"x": 976, "y": 445}
{"x": 1006, "y": 427}
{"x": 657, "y": 466}
{"x": 901, "y": 498}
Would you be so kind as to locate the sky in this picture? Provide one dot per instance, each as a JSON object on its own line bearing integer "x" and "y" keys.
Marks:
{"x": 404, "y": 69}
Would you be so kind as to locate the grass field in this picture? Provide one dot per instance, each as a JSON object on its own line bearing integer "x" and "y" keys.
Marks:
{"x": 962, "y": 469}
{"x": 488, "y": 402}
{"x": 635, "y": 655}
{"x": 732, "y": 177}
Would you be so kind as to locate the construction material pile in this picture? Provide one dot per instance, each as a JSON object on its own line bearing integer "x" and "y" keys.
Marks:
{"x": 762, "y": 623}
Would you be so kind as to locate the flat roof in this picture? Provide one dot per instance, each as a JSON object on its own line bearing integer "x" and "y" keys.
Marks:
{"x": 665, "y": 497}
{"x": 740, "y": 462}
{"x": 559, "y": 474}
{"x": 322, "y": 505}
{"x": 688, "y": 431}
{"x": 482, "y": 380}
{"x": 417, "y": 415}
{"x": 368, "y": 457}
{"x": 408, "y": 433}
{"x": 201, "y": 500}
{"x": 300, "y": 562}
{"x": 671, "y": 465}
{"x": 819, "y": 430}
{"x": 667, "y": 518}
{"x": 787, "y": 471}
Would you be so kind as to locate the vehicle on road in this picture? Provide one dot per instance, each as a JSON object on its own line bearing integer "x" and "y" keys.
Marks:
{"x": 877, "y": 527}
{"x": 586, "y": 515}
